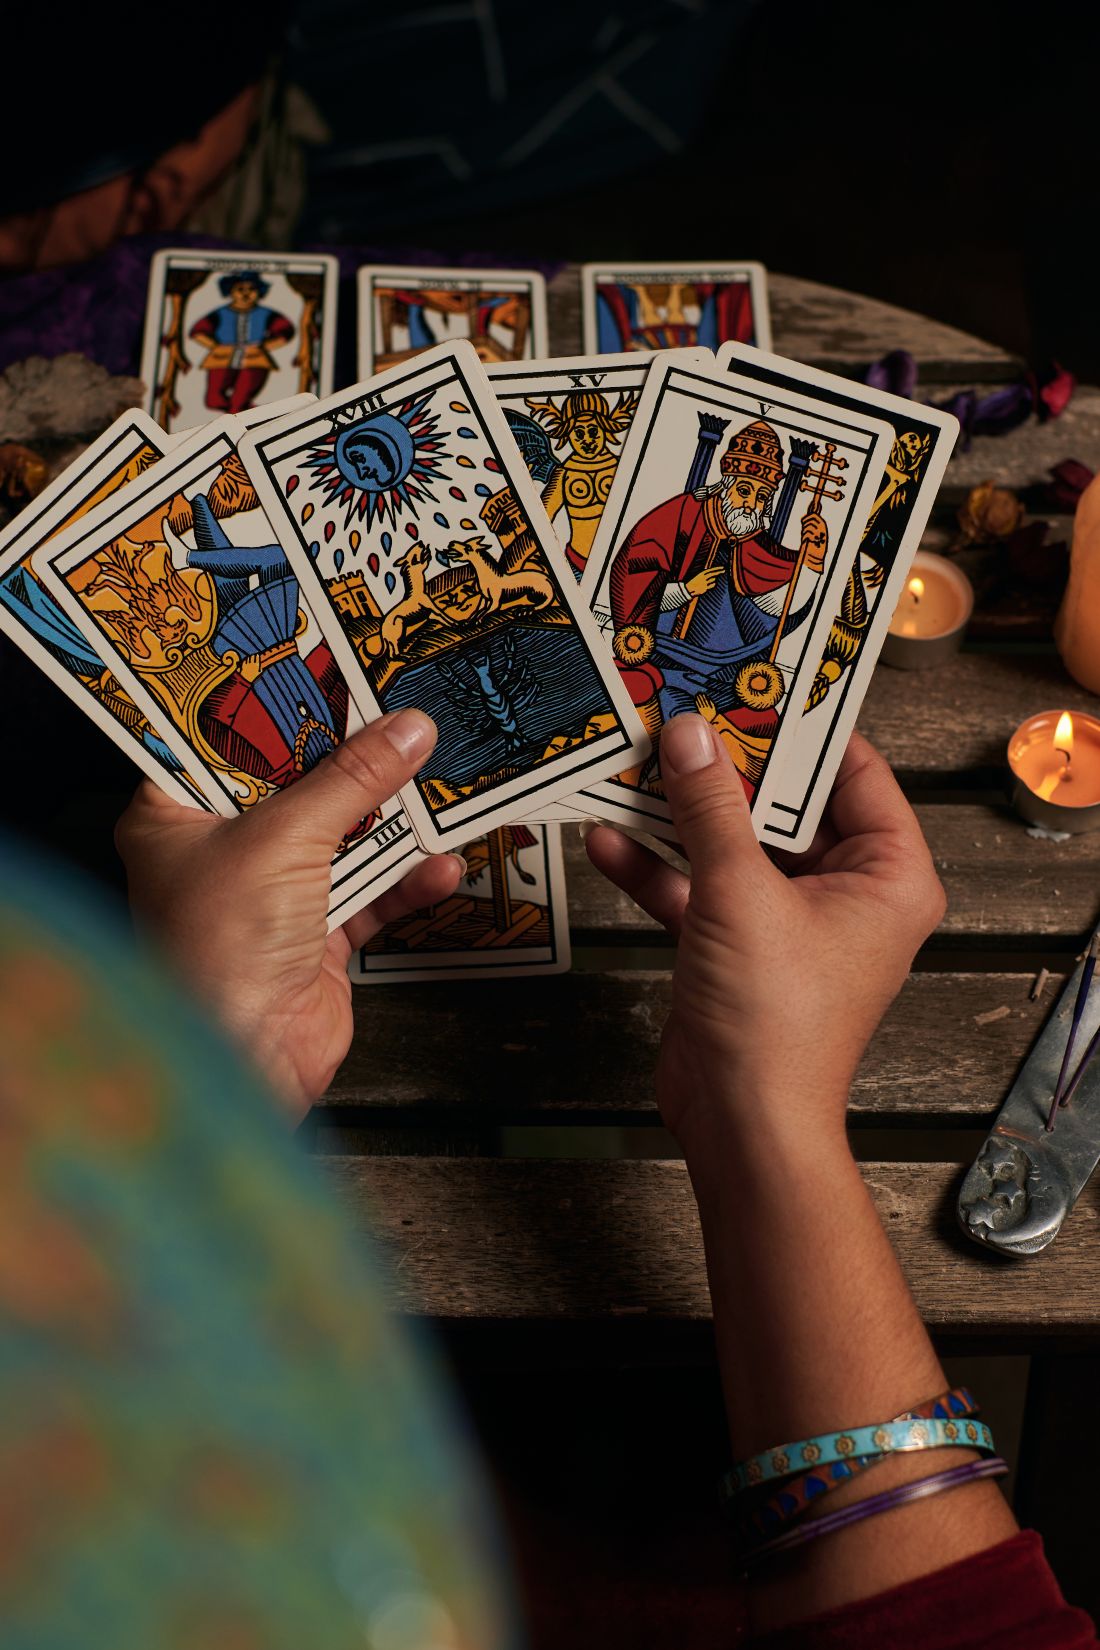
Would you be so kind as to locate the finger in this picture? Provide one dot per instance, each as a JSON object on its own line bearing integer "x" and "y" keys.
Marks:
{"x": 358, "y": 776}
{"x": 867, "y": 800}
{"x": 148, "y": 809}
{"x": 650, "y": 881}
{"x": 434, "y": 879}
{"x": 709, "y": 807}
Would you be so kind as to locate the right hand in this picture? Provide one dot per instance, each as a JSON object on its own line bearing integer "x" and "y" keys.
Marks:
{"x": 780, "y": 979}
{"x": 701, "y": 582}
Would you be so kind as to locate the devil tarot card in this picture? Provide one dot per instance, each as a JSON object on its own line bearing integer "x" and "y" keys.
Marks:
{"x": 923, "y": 440}
{"x": 719, "y": 562}
{"x": 409, "y": 517}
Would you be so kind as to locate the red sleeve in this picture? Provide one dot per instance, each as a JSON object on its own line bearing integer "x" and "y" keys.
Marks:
{"x": 279, "y": 327}
{"x": 205, "y": 329}
{"x": 643, "y": 563}
{"x": 1005, "y": 1596}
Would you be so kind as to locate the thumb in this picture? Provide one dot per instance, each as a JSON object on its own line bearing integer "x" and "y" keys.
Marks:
{"x": 709, "y": 807}
{"x": 359, "y": 775}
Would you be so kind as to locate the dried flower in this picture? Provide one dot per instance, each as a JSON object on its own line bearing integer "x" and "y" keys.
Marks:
{"x": 990, "y": 512}
{"x": 23, "y": 473}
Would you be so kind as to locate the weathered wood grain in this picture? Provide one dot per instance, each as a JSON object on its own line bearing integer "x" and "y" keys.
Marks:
{"x": 827, "y": 327}
{"x": 959, "y": 717}
{"x": 1001, "y": 885}
{"x": 565, "y": 1241}
{"x": 584, "y": 1047}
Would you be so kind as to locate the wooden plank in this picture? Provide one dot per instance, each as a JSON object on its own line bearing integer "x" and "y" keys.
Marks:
{"x": 827, "y": 327}
{"x": 959, "y": 717}
{"x": 584, "y": 1046}
{"x": 1001, "y": 884}
{"x": 492, "y": 1239}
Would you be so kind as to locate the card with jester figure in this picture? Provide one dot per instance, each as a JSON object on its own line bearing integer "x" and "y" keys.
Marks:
{"x": 507, "y": 916}
{"x": 405, "y": 311}
{"x": 408, "y": 515}
{"x": 673, "y": 306}
{"x": 923, "y": 440}
{"x": 229, "y": 331}
{"x": 720, "y": 560}
{"x": 35, "y": 622}
{"x": 197, "y": 614}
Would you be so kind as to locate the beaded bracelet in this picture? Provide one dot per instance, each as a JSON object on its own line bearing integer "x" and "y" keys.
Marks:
{"x": 887, "y": 1438}
{"x": 811, "y": 1528}
{"x": 795, "y": 1497}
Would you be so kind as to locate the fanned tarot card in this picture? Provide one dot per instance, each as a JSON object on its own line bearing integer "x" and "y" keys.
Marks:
{"x": 923, "y": 440}
{"x": 197, "y": 613}
{"x": 648, "y": 306}
{"x": 720, "y": 560}
{"x": 226, "y": 332}
{"x": 408, "y": 515}
{"x": 508, "y": 915}
{"x": 46, "y": 633}
{"x": 403, "y": 311}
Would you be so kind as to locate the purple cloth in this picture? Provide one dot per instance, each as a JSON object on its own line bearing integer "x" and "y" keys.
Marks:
{"x": 98, "y": 308}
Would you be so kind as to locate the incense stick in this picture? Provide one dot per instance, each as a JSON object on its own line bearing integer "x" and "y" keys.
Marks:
{"x": 1060, "y": 1095}
{"x": 1071, "y": 1089}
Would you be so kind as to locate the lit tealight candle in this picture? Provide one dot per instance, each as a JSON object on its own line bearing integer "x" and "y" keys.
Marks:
{"x": 931, "y": 616}
{"x": 1055, "y": 759}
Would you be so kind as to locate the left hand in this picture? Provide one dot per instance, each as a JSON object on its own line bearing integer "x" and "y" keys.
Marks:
{"x": 815, "y": 540}
{"x": 240, "y": 904}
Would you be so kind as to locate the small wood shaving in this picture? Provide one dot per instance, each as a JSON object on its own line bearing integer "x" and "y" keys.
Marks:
{"x": 1038, "y": 984}
{"x": 992, "y": 1014}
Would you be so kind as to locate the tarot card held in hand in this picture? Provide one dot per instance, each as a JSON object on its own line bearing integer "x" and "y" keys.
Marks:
{"x": 507, "y": 916}
{"x": 407, "y": 513}
{"x": 674, "y": 306}
{"x": 569, "y": 417}
{"x": 38, "y": 625}
{"x": 923, "y": 440}
{"x": 719, "y": 563}
{"x": 404, "y": 311}
{"x": 196, "y": 611}
{"x": 226, "y": 331}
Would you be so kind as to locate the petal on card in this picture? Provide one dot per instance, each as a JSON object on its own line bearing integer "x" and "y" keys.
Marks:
{"x": 373, "y": 563}
{"x": 440, "y": 519}
{"x": 292, "y": 482}
{"x": 330, "y": 528}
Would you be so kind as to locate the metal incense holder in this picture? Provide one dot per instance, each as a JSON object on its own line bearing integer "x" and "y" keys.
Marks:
{"x": 1024, "y": 1181}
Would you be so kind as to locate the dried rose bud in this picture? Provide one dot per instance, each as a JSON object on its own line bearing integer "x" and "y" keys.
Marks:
{"x": 990, "y": 512}
{"x": 23, "y": 473}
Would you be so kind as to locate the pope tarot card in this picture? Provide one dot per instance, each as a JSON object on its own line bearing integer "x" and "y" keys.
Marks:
{"x": 197, "y": 612}
{"x": 404, "y": 311}
{"x": 569, "y": 417}
{"x": 45, "y": 632}
{"x": 720, "y": 560}
{"x": 228, "y": 331}
{"x": 922, "y": 443}
{"x": 508, "y": 915}
{"x": 409, "y": 517}
{"x": 673, "y": 306}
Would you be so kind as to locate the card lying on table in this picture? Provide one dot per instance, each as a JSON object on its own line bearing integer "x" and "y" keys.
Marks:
{"x": 34, "y": 620}
{"x": 194, "y": 609}
{"x": 673, "y": 306}
{"x": 228, "y": 331}
{"x": 507, "y": 916}
{"x": 408, "y": 515}
{"x": 719, "y": 563}
{"x": 402, "y": 312}
{"x": 922, "y": 443}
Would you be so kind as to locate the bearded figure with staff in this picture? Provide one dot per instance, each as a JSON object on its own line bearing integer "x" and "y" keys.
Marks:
{"x": 703, "y": 589}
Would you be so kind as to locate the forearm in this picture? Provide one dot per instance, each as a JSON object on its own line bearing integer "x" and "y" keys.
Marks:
{"x": 816, "y": 1330}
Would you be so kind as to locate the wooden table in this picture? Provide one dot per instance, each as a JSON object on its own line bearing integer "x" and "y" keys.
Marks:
{"x": 501, "y": 1138}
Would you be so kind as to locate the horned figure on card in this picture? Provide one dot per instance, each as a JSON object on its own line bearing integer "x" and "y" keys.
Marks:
{"x": 497, "y": 589}
{"x": 490, "y": 691}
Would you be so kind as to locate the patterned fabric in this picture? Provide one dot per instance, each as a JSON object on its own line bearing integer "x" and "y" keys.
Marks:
{"x": 885, "y": 1438}
{"x": 211, "y": 1434}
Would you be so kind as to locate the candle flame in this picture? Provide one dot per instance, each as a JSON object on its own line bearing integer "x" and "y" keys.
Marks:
{"x": 1063, "y": 735}
{"x": 916, "y": 590}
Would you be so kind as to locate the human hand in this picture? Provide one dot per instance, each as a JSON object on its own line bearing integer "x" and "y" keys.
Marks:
{"x": 703, "y": 581}
{"x": 815, "y": 540}
{"x": 240, "y": 905}
{"x": 781, "y": 976}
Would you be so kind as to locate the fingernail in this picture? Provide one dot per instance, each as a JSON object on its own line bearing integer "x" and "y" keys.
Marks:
{"x": 460, "y": 862}
{"x": 587, "y": 827}
{"x": 686, "y": 744}
{"x": 411, "y": 733}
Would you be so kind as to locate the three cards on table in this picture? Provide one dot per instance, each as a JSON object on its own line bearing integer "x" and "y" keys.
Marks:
{"x": 230, "y": 603}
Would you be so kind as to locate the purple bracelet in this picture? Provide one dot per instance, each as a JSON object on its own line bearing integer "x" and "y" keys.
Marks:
{"x": 811, "y": 1528}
